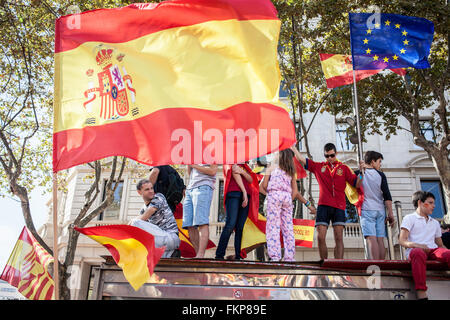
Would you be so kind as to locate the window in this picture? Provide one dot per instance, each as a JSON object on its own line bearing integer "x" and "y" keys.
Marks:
{"x": 342, "y": 137}
{"x": 283, "y": 93}
{"x": 435, "y": 188}
{"x": 221, "y": 209}
{"x": 113, "y": 211}
{"x": 427, "y": 130}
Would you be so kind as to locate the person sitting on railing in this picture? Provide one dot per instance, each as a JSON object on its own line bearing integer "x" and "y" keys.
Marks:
{"x": 421, "y": 235}
{"x": 157, "y": 219}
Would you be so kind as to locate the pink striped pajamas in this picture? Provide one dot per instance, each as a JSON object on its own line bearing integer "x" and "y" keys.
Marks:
{"x": 279, "y": 216}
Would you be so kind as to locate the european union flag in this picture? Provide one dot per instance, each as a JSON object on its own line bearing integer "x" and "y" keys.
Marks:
{"x": 389, "y": 41}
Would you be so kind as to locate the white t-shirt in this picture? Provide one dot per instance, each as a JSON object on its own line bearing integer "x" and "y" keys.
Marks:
{"x": 421, "y": 231}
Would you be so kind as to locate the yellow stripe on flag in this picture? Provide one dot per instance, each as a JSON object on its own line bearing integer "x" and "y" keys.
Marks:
{"x": 251, "y": 235}
{"x": 133, "y": 259}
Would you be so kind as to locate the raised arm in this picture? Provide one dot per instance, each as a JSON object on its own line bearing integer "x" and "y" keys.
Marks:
{"x": 210, "y": 170}
{"x": 154, "y": 175}
{"x": 299, "y": 157}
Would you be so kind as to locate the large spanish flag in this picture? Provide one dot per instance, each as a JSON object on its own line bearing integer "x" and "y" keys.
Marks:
{"x": 27, "y": 268}
{"x": 132, "y": 248}
{"x": 183, "y": 81}
{"x": 338, "y": 70}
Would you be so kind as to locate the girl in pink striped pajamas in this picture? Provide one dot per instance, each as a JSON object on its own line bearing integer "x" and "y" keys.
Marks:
{"x": 281, "y": 187}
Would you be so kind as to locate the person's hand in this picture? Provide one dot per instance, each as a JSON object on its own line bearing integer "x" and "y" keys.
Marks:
{"x": 245, "y": 200}
{"x": 362, "y": 166}
{"x": 424, "y": 247}
{"x": 312, "y": 210}
{"x": 390, "y": 219}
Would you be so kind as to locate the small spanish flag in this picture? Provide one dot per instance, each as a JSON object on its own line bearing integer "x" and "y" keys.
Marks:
{"x": 27, "y": 268}
{"x": 132, "y": 248}
{"x": 338, "y": 70}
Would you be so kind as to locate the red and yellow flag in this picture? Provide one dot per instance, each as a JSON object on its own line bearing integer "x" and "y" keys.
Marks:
{"x": 186, "y": 247}
{"x": 28, "y": 268}
{"x": 338, "y": 70}
{"x": 132, "y": 248}
{"x": 355, "y": 195}
{"x": 183, "y": 81}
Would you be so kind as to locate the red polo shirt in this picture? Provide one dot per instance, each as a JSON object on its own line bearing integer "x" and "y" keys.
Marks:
{"x": 332, "y": 182}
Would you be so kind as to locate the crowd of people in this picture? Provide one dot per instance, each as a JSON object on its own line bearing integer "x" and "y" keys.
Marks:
{"x": 163, "y": 193}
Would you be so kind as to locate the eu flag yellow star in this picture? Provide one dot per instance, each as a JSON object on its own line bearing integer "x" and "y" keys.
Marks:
{"x": 387, "y": 23}
{"x": 375, "y": 58}
{"x": 404, "y": 33}
{"x": 406, "y": 42}
{"x": 395, "y": 57}
{"x": 402, "y": 50}
{"x": 386, "y": 59}
{"x": 368, "y": 51}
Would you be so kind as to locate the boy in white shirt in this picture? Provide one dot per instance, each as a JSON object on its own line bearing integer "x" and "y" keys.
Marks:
{"x": 421, "y": 236}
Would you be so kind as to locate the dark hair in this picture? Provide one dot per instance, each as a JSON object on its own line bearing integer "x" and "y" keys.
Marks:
{"x": 422, "y": 196}
{"x": 141, "y": 183}
{"x": 286, "y": 162}
{"x": 372, "y": 155}
{"x": 444, "y": 225}
{"x": 329, "y": 147}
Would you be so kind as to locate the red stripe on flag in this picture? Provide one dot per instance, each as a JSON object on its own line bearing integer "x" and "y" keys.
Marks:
{"x": 137, "y": 20}
{"x": 41, "y": 287}
{"x": 347, "y": 78}
{"x": 49, "y": 294}
{"x": 140, "y": 139}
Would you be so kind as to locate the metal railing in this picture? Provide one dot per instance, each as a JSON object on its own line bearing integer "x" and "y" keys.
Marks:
{"x": 399, "y": 213}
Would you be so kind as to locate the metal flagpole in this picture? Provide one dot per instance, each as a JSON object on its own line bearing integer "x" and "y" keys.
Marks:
{"x": 356, "y": 108}
{"x": 360, "y": 152}
{"x": 55, "y": 237}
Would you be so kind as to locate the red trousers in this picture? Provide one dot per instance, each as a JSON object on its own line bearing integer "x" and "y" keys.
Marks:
{"x": 419, "y": 259}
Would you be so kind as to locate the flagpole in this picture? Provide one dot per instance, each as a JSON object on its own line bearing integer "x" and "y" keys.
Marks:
{"x": 55, "y": 237}
{"x": 356, "y": 110}
{"x": 358, "y": 130}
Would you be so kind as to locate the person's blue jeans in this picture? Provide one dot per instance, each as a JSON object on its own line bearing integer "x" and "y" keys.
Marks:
{"x": 235, "y": 220}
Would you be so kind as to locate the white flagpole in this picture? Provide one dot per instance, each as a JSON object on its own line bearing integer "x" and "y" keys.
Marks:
{"x": 55, "y": 237}
{"x": 358, "y": 129}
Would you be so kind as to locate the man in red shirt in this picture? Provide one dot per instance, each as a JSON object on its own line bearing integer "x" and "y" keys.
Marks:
{"x": 332, "y": 176}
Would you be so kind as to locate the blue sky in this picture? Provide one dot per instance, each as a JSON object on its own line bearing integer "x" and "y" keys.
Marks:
{"x": 12, "y": 221}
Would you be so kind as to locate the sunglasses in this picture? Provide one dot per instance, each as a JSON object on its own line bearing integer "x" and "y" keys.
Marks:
{"x": 329, "y": 155}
